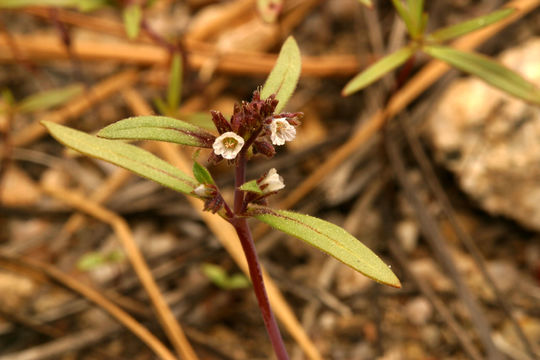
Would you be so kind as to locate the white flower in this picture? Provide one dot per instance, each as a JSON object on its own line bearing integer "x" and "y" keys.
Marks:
{"x": 273, "y": 182}
{"x": 228, "y": 145}
{"x": 201, "y": 190}
{"x": 281, "y": 131}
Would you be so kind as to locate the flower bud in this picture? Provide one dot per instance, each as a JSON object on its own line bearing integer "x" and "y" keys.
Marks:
{"x": 271, "y": 182}
{"x": 222, "y": 125}
{"x": 265, "y": 148}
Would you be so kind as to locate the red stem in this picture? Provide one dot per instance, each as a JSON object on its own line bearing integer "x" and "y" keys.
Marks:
{"x": 244, "y": 234}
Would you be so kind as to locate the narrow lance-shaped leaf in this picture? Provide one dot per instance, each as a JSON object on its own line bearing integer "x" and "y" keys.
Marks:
{"x": 132, "y": 20}
{"x": 416, "y": 8}
{"x": 378, "y": 70}
{"x": 160, "y": 128}
{"x": 405, "y": 15}
{"x": 329, "y": 238}
{"x": 454, "y": 31}
{"x": 124, "y": 155}
{"x": 48, "y": 99}
{"x": 488, "y": 70}
{"x": 285, "y": 74}
{"x": 174, "y": 93}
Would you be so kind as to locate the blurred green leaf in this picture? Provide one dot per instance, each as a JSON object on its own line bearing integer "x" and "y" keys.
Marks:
{"x": 82, "y": 5}
{"x": 90, "y": 261}
{"x": 378, "y": 70}
{"x": 329, "y": 238}
{"x": 451, "y": 32}
{"x": 132, "y": 20}
{"x": 217, "y": 275}
{"x": 93, "y": 260}
{"x": 488, "y": 70}
{"x": 91, "y": 5}
{"x": 251, "y": 186}
{"x": 162, "y": 108}
{"x": 174, "y": 93}
{"x": 200, "y": 119}
{"x": 159, "y": 128}
{"x": 47, "y": 99}
{"x": 416, "y": 9}
{"x": 8, "y": 101}
{"x": 405, "y": 15}
{"x": 284, "y": 76}
{"x": 21, "y": 3}
{"x": 124, "y": 155}
{"x": 202, "y": 174}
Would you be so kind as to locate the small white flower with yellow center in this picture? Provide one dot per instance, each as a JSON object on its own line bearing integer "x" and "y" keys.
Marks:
{"x": 273, "y": 182}
{"x": 281, "y": 131}
{"x": 228, "y": 145}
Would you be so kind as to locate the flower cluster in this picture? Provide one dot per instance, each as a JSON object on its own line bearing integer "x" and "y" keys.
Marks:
{"x": 253, "y": 124}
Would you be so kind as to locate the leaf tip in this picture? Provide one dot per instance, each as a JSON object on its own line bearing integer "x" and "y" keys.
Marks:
{"x": 46, "y": 124}
{"x": 396, "y": 283}
{"x": 386, "y": 277}
{"x": 346, "y": 91}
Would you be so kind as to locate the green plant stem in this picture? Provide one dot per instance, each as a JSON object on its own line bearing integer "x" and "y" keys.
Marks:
{"x": 244, "y": 234}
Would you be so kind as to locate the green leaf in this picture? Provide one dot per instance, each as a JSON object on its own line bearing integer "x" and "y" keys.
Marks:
{"x": 219, "y": 277}
{"x": 251, "y": 186}
{"x": 124, "y": 155}
{"x": 91, "y": 5}
{"x": 48, "y": 99}
{"x": 92, "y": 260}
{"x": 200, "y": 119}
{"x": 202, "y": 174}
{"x": 284, "y": 76}
{"x": 8, "y": 101}
{"x": 132, "y": 20}
{"x": 162, "y": 108}
{"x": 378, "y": 70}
{"x": 329, "y": 238}
{"x": 488, "y": 70}
{"x": 174, "y": 93}
{"x": 22, "y": 3}
{"x": 159, "y": 128}
{"x": 405, "y": 15}
{"x": 82, "y": 5}
{"x": 453, "y": 31}
{"x": 416, "y": 8}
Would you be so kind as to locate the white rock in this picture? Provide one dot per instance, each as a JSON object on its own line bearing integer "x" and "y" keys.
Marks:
{"x": 491, "y": 140}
